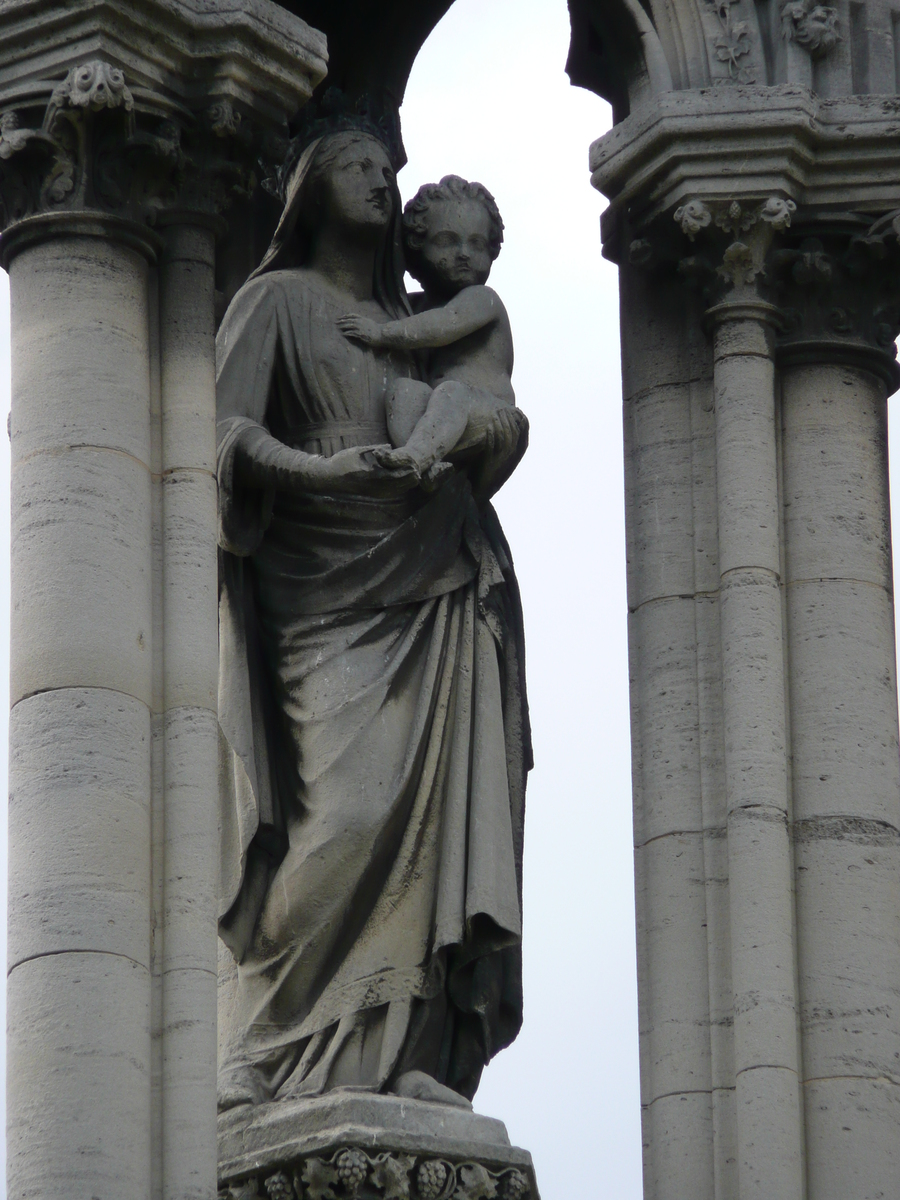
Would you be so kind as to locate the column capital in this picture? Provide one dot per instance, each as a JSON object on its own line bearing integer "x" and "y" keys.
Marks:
{"x": 827, "y": 283}
{"x": 139, "y": 108}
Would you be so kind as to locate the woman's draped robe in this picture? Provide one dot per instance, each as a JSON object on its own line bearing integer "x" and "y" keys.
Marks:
{"x": 375, "y": 738}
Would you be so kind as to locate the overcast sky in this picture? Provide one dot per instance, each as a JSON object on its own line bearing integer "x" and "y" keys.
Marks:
{"x": 488, "y": 99}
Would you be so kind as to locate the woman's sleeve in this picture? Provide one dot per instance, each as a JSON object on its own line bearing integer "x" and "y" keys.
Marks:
{"x": 246, "y": 350}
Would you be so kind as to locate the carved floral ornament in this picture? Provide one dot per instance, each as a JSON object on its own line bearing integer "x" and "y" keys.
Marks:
{"x": 351, "y": 1174}
{"x": 92, "y": 147}
{"x": 812, "y": 26}
{"x": 837, "y": 289}
{"x": 733, "y": 43}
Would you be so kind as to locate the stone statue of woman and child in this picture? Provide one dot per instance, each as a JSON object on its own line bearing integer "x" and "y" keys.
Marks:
{"x": 374, "y": 727}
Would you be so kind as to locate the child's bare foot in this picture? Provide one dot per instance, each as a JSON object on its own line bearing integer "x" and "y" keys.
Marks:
{"x": 435, "y": 475}
{"x": 397, "y": 460}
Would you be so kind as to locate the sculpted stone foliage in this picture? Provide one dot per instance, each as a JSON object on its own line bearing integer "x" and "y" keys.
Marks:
{"x": 812, "y": 26}
{"x": 733, "y": 43}
{"x": 91, "y": 145}
{"x": 352, "y": 1174}
{"x": 838, "y": 286}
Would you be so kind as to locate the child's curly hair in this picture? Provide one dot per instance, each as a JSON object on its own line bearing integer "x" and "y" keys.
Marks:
{"x": 451, "y": 187}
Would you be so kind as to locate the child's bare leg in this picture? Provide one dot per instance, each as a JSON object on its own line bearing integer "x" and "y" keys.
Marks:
{"x": 406, "y": 404}
{"x": 443, "y": 423}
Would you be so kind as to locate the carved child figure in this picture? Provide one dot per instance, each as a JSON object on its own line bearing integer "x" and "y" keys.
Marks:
{"x": 452, "y": 233}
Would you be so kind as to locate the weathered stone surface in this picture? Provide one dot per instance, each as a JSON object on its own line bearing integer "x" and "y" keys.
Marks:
{"x": 125, "y": 131}
{"x": 403, "y": 1147}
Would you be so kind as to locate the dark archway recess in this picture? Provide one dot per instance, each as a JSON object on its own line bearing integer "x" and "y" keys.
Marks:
{"x": 372, "y": 45}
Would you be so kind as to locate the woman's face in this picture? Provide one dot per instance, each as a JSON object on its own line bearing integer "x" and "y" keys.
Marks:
{"x": 357, "y": 190}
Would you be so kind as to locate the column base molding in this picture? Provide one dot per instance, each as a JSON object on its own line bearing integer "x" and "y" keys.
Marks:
{"x": 46, "y": 227}
{"x": 810, "y": 351}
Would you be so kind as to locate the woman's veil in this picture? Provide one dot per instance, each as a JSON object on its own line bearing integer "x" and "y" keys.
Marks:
{"x": 290, "y": 245}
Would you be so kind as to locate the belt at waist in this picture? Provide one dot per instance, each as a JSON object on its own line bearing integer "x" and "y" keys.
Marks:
{"x": 368, "y": 432}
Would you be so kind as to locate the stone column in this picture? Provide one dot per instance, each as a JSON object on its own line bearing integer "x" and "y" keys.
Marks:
{"x": 80, "y": 667}
{"x": 117, "y": 161}
{"x": 788, "y": 694}
{"x": 766, "y": 1059}
{"x": 190, "y": 630}
{"x": 843, "y": 703}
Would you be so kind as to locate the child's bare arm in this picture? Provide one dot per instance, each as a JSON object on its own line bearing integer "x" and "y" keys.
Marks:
{"x": 472, "y": 309}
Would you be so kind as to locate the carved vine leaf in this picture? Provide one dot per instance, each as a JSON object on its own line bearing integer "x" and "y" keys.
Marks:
{"x": 431, "y": 1179}
{"x": 515, "y": 1186}
{"x": 640, "y": 252}
{"x": 391, "y": 1174}
{"x": 812, "y": 26}
{"x": 319, "y": 1178}
{"x": 733, "y": 42}
{"x": 474, "y": 1183}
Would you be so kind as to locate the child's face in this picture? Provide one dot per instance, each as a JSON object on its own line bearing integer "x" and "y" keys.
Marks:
{"x": 456, "y": 252}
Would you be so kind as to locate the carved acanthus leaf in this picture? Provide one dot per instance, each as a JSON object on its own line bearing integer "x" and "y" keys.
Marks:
{"x": 738, "y": 265}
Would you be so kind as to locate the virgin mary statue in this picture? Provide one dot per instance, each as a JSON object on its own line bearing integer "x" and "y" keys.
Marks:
{"x": 372, "y": 707}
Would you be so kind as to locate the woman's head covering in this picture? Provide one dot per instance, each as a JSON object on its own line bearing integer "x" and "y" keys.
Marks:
{"x": 292, "y": 241}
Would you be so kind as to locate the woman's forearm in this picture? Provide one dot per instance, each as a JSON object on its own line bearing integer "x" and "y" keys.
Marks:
{"x": 263, "y": 461}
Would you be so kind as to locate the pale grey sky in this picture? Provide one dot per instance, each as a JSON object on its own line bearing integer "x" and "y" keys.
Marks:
{"x": 489, "y": 99}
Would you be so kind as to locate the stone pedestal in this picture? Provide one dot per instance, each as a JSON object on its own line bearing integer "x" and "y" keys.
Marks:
{"x": 369, "y": 1147}
{"x": 124, "y": 131}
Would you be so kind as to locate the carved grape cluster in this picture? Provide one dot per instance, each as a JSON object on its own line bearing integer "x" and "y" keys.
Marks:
{"x": 351, "y": 1174}
{"x": 430, "y": 1178}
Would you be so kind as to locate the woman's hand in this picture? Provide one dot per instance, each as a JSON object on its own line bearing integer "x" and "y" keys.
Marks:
{"x": 355, "y": 471}
{"x": 360, "y": 329}
{"x": 502, "y": 436}
{"x": 264, "y": 461}
{"x": 505, "y": 442}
